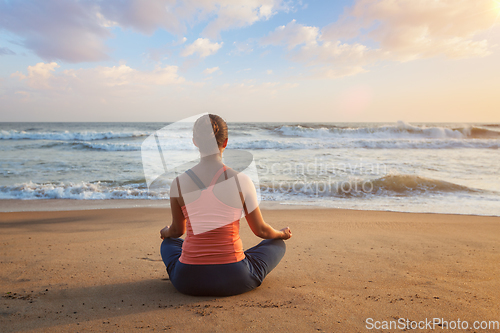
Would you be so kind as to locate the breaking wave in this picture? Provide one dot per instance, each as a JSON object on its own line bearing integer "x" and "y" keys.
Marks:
{"x": 284, "y": 144}
{"x": 79, "y": 191}
{"x": 67, "y": 135}
{"x": 401, "y": 130}
{"x": 389, "y": 185}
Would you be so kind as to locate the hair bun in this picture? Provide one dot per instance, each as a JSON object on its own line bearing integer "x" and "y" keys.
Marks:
{"x": 215, "y": 127}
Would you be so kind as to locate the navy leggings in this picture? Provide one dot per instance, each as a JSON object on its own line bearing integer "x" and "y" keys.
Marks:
{"x": 221, "y": 279}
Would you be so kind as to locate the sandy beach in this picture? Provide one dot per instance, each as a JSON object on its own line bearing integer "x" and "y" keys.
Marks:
{"x": 100, "y": 270}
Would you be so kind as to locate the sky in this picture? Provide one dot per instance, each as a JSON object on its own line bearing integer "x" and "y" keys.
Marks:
{"x": 250, "y": 60}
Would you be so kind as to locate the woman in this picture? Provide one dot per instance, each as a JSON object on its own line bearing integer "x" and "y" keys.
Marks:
{"x": 211, "y": 261}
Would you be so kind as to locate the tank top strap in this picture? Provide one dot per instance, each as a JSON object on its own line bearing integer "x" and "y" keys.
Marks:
{"x": 196, "y": 179}
{"x": 217, "y": 175}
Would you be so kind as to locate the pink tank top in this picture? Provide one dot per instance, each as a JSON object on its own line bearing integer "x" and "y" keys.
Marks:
{"x": 221, "y": 243}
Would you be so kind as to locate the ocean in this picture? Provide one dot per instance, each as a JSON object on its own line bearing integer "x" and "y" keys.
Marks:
{"x": 417, "y": 167}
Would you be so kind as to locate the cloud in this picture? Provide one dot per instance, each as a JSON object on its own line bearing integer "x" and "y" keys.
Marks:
{"x": 292, "y": 35}
{"x": 250, "y": 87}
{"x": 408, "y": 29}
{"x": 242, "y": 47}
{"x": 125, "y": 75}
{"x": 6, "y": 51}
{"x": 388, "y": 30}
{"x": 237, "y": 14}
{"x": 39, "y": 76}
{"x": 201, "y": 46}
{"x": 143, "y": 16}
{"x": 341, "y": 59}
{"x": 56, "y": 29}
{"x": 75, "y": 31}
{"x": 211, "y": 70}
{"x": 42, "y": 76}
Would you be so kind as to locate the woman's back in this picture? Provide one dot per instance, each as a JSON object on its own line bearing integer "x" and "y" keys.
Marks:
{"x": 212, "y": 225}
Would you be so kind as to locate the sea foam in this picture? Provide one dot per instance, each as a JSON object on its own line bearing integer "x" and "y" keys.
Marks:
{"x": 67, "y": 135}
{"x": 400, "y": 130}
{"x": 79, "y": 191}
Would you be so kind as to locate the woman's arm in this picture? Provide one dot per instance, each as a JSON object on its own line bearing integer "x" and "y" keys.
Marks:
{"x": 253, "y": 214}
{"x": 263, "y": 230}
{"x": 178, "y": 226}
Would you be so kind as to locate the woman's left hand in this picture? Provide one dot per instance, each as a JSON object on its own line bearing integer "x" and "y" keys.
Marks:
{"x": 164, "y": 232}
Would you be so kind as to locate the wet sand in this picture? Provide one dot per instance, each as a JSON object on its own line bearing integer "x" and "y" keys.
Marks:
{"x": 100, "y": 270}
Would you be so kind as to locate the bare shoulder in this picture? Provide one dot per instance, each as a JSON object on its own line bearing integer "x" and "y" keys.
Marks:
{"x": 246, "y": 183}
{"x": 242, "y": 177}
{"x": 176, "y": 183}
{"x": 174, "y": 191}
{"x": 231, "y": 172}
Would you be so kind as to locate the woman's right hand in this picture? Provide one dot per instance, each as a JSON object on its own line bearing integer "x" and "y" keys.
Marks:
{"x": 287, "y": 233}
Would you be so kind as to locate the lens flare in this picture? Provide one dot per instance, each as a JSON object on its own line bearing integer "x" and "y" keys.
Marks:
{"x": 496, "y": 7}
